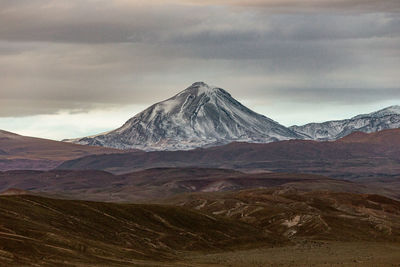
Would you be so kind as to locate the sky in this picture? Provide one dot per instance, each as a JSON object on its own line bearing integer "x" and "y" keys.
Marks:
{"x": 71, "y": 68}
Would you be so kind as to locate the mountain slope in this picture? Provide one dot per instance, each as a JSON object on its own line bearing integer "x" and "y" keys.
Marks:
{"x": 319, "y": 215}
{"x": 388, "y": 118}
{"x": 24, "y": 152}
{"x": 199, "y": 116}
{"x": 37, "y": 231}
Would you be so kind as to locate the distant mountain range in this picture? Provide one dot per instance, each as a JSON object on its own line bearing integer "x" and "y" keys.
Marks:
{"x": 356, "y": 156}
{"x": 204, "y": 116}
{"x": 387, "y": 118}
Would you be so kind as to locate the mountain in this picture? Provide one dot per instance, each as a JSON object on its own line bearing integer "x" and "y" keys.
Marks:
{"x": 24, "y": 152}
{"x": 204, "y": 115}
{"x": 199, "y": 116}
{"x": 388, "y": 118}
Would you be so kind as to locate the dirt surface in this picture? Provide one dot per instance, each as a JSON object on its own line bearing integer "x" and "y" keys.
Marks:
{"x": 316, "y": 253}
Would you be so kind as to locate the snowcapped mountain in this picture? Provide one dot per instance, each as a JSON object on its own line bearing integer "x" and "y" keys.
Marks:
{"x": 387, "y": 118}
{"x": 199, "y": 116}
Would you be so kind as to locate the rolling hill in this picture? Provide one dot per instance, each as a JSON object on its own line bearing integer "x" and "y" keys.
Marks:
{"x": 23, "y": 152}
{"x": 195, "y": 228}
{"x": 318, "y": 215}
{"x": 356, "y": 156}
{"x": 37, "y": 231}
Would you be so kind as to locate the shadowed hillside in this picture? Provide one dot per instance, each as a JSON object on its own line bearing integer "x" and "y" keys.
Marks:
{"x": 317, "y": 215}
{"x": 160, "y": 183}
{"x": 246, "y": 228}
{"x": 49, "y": 232}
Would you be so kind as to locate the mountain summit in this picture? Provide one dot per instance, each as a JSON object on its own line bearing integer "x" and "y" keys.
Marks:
{"x": 199, "y": 116}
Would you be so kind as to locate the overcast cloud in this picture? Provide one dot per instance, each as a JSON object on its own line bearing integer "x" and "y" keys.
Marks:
{"x": 86, "y": 57}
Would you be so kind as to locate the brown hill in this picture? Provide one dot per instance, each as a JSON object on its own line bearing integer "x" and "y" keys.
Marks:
{"x": 356, "y": 156}
{"x": 389, "y": 137}
{"x": 317, "y": 215}
{"x": 161, "y": 183}
{"x": 38, "y": 231}
{"x": 218, "y": 229}
{"x": 14, "y": 192}
{"x": 23, "y": 152}
{"x": 167, "y": 182}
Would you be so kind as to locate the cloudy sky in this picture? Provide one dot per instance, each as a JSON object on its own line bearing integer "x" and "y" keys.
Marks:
{"x": 71, "y": 68}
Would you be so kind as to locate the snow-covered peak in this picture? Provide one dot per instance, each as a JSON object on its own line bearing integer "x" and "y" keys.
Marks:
{"x": 187, "y": 97}
{"x": 200, "y": 88}
{"x": 200, "y": 84}
{"x": 201, "y": 115}
{"x": 392, "y": 110}
{"x": 387, "y": 118}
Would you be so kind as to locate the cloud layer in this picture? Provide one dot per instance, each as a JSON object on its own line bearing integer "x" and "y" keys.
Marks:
{"x": 356, "y": 6}
{"x": 80, "y": 56}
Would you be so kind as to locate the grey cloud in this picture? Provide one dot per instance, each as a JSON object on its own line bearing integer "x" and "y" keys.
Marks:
{"x": 36, "y": 106}
{"x": 357, "y": 6}
{"x": 333, "y": 96}
{"x": 106, "y": 22}
{"x": 87, "y": 21}
{"x": 82, "y": 55}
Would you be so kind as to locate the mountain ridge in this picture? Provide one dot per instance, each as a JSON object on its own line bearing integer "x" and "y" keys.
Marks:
{"x": 202, "y": 116}
{"x": 386, "y": 118}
